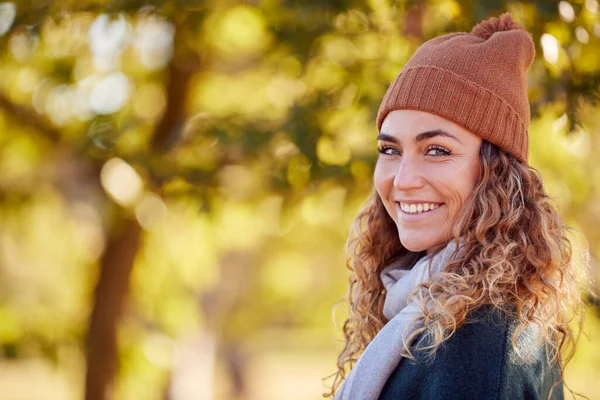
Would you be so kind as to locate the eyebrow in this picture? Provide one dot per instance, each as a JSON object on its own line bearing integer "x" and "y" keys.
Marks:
{"x": 420, "y": 137}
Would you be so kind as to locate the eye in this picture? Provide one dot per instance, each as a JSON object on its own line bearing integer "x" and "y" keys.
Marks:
{"x": 384, "y": 150}
{"x": 441, "y": 151}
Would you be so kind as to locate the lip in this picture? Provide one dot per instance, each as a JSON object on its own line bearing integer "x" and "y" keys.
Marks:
{"x": 418, "y": 202}
{"x": 417, "y": 217}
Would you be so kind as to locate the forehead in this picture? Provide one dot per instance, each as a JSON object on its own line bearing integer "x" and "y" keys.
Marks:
{"x": 409, "y": 123}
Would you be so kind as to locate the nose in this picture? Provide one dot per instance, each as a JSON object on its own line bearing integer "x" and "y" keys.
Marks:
{"x": 408, "y": 176}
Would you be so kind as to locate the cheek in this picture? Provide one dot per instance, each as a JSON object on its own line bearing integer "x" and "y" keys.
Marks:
{"x": 458, "y": 186}
{"x": 382, "y": 180}
{"x": 472, "y": 178}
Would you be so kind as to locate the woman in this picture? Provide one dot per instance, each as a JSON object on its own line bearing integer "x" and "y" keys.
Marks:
{"x": 463, "y": 280}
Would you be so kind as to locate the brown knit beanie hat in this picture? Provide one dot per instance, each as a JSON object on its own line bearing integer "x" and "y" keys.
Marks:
{"x": 475, "y": 79}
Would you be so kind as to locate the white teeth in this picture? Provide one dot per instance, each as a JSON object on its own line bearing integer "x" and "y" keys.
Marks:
{"x": 418, "y": 208}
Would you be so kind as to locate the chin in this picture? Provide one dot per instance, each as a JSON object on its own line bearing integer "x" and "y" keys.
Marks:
{"x": 414, "y": 245}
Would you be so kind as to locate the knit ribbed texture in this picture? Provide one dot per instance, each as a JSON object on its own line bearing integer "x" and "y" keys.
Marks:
{"x": 477, "y": 80}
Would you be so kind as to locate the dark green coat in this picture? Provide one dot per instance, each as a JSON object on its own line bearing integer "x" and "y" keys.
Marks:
{"x": 477, "y": 362}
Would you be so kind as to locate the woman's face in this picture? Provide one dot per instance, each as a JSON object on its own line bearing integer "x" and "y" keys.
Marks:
{"x": 425, "y": 161}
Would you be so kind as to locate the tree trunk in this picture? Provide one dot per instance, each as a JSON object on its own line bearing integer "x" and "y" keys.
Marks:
{"x": 116, "y": 266}
{"x": 117, "y": 262}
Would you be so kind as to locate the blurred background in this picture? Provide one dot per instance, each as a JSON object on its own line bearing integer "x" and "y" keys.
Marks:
{"x": 177, "y": 181}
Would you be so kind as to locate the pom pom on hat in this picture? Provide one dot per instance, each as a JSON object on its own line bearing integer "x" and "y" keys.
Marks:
{"x": 488, "y": 27}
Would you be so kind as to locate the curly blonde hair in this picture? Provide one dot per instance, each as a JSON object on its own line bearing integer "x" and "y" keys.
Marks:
{"x": 517, "y": 255}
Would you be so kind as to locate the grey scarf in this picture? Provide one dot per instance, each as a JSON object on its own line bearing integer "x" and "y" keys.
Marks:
{"x": 381, "y": 356}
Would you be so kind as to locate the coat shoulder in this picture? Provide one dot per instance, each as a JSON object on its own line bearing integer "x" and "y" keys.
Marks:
{"x": 478, "y": 361}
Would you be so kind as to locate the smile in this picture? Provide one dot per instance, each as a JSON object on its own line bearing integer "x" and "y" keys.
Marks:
{"x": 413, "y": 210}
{"x": 419, "y": 208}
